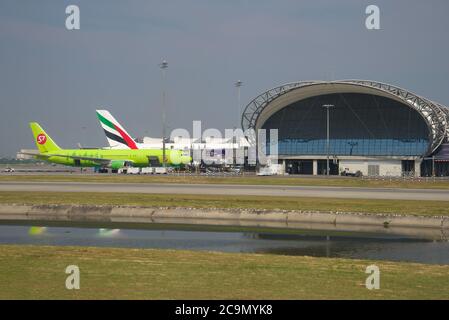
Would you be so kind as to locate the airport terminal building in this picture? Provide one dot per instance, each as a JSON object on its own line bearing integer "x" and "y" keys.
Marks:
{"x": 374, "y": 128}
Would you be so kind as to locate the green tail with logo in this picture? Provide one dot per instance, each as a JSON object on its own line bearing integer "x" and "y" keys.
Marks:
{"x": 43, "y": 141}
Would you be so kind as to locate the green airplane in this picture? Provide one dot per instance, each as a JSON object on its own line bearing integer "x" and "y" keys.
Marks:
{"x": 103, "y": 158}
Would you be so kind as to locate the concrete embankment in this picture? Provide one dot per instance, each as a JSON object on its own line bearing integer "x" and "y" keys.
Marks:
{"x": 229, "y": 217}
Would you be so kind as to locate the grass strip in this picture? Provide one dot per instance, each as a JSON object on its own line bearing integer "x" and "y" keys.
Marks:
{"x": 37, "y": 272}
{"x": 423, "y": 183}
{"x": 370, "y": 206}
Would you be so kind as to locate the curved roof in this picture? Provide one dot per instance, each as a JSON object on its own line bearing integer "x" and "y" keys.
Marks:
{"x": 266, "y": 104}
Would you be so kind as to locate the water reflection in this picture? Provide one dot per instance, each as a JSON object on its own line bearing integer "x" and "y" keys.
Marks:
{"x": 35, "y": 231}
{"x": 102, "y": 232}
{"x": 318, "y": 244}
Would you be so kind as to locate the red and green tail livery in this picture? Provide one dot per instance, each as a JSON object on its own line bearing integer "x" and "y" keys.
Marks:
{"x": 115, "y": 133}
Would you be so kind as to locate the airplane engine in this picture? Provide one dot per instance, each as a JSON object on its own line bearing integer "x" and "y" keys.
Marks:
{"x": 119, "y": 164}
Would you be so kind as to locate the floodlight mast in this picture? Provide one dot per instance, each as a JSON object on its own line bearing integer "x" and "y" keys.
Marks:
{"x": 163, "y": 66}
{"x": 237, "y": 84}
{"x": 327, "y": 106}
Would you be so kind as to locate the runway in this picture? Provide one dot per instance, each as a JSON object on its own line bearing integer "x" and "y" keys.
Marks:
{"x": 238, "y": 190}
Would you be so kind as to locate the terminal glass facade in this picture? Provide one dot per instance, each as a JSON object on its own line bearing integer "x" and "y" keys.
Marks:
{"x": 360, "y": 125}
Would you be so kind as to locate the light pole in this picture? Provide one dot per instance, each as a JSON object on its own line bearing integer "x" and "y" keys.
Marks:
{"x": 327, "y": 106}
{"x": 352, "y": 144}
{"x": 163, "y": 66}
{"x": 238, "y": 84}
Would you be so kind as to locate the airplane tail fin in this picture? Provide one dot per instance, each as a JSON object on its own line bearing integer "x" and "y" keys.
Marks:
{"x": 115, "y": 133}
{"x": 43, "y": 141}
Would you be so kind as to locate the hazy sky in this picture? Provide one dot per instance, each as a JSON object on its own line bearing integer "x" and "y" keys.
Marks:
{"x": 59, "y": 77}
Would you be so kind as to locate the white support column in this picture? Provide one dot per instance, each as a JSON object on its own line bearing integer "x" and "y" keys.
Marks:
{"x": 315, "y": 167}
{"x": 283, "y": 166}
{"x": 418, "y": 167}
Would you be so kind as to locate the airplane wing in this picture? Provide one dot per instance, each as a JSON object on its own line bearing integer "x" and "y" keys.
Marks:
{"x": 101, "y": 161}
{"x": 48, "y": 155}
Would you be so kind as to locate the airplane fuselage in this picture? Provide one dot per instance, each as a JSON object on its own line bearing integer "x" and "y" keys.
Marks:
{"x": 135, "y": 158}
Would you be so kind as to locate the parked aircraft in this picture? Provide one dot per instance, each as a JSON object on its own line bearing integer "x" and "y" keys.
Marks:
{"x": 102, "y": 158}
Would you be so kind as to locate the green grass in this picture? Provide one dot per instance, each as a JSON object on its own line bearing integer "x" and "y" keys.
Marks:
{"x": 37, "y": 272}
{"x": 241, "y": 180}
{"x": 372, "y": 206}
